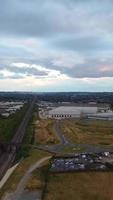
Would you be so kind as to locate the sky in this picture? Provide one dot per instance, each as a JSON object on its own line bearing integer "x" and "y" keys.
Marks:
{"x": 56, "y": 45}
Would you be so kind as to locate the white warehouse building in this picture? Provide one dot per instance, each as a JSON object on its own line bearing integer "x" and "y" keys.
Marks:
{"x": 74, "y": 111}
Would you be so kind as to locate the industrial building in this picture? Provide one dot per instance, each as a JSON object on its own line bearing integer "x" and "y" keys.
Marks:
{"x": 74, "y": 111}
{"x": 101, "y": 116}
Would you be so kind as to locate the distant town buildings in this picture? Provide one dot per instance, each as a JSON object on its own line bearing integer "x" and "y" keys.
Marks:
{"x": 8, "y": 108}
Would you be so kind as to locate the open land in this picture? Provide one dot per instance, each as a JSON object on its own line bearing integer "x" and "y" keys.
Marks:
{"x": 45, "y": 132}
{"x": 80, "y": 186}
{"x": 88, "y": 131}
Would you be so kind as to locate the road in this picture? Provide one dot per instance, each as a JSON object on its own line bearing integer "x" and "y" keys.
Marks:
{"x": 22, "y": 184}
{"x": 7, "y": 158}
{"x": 58, "y": 147}
{"x": 57, "y": 127}
{"x": 64, "y": 141}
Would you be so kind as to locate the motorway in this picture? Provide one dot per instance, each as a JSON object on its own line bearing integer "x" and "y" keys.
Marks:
{"x": 8, "y": 158}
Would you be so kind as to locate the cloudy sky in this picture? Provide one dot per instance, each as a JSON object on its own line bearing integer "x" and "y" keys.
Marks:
{"x": 56, "y": 45}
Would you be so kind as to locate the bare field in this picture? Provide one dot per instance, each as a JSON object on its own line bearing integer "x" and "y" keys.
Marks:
{"x": 89, "y": 132}
{"x": 44, "y": 132}
{"x": 80, "y": 186}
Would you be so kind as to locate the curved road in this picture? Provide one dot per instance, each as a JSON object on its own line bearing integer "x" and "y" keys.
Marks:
{"x": 22, "y": 184}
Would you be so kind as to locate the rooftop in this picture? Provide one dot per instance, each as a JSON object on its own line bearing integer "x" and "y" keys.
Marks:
{"x": 73, "y": 110}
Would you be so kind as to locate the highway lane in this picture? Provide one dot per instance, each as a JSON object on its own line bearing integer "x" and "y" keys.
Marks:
{"x": 18, "y": 137}
{"x": 7, "y": 158}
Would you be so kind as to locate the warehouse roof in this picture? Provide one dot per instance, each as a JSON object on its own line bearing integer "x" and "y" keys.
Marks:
{"x": 73, "y": 110}
{"x": 108, "y": 114}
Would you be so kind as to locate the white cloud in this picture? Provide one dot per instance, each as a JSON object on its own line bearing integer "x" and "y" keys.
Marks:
{"x": 51, "y": 73}
{"x": 6, "y": 73}
{"x": 21, "y": 65}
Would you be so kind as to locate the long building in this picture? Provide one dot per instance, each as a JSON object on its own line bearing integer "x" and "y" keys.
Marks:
{"x": 101, "y": 116}
{"x": 74, "y": 111}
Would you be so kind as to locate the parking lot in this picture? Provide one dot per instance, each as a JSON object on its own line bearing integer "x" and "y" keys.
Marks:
{"x": 81, "y": 162}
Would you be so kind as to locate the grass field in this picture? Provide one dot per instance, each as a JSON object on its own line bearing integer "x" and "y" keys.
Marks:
{"x": 44, "y": 132}
{"x": 80, "y": 186}
{"x": 89, "y": 132}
